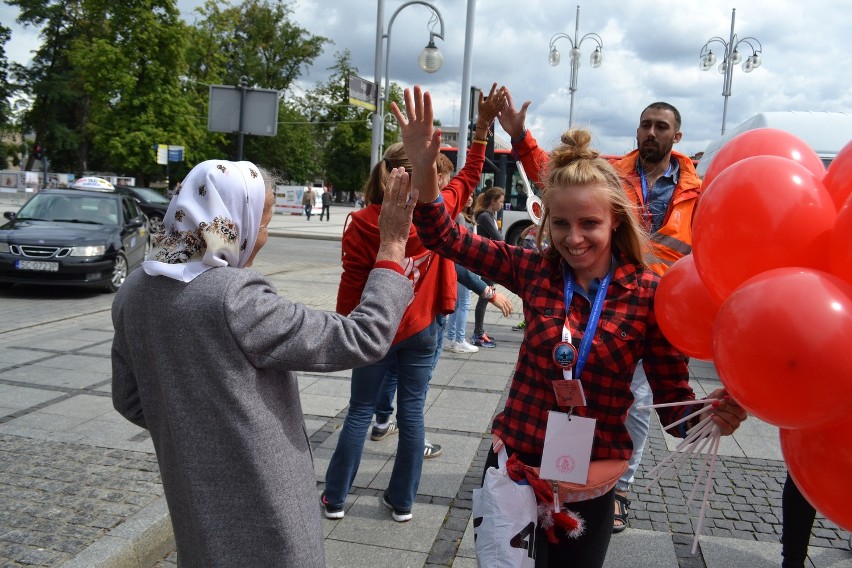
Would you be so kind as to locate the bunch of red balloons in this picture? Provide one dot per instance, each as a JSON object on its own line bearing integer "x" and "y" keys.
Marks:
{"x": 767, "y": 295}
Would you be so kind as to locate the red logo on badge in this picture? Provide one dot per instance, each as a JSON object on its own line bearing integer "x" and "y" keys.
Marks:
{"x": 565, "y": 464}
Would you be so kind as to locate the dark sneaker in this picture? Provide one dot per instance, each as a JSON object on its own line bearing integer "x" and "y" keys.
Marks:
{"x": 520, "y": 327}
{"x": 483, "y": 341}
{"x": 331, "y": 512}
{"x": 381, "y": 433}
{"x": 431, "y": 450}
{"x": 399, "y": 515}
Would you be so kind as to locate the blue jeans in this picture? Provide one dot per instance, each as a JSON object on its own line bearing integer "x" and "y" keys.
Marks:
{"x": 308, "y": 209}
{"x": 457, "y": 321}
{"x": 637, "y": 423}
{"x": 384, "y": 407}
{"x": 413, "y": 360}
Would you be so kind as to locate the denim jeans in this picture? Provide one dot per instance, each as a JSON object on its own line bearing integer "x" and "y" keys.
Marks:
{"x": 384, "y": 408}
{"x": 457, "y": 321}
{"x": 637, "y": 423}
{"x": 308, "y": 209}
{"x": 413, "y": 360}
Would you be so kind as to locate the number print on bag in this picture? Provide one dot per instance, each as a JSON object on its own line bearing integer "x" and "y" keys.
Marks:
{"x": 525, "y": 539}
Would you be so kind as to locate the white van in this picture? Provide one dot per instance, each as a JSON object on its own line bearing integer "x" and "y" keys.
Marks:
{"x": 825, "y": 132}
{"x": 288, "y": 199}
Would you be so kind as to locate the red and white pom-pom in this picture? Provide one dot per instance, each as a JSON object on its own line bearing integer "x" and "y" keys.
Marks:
{"x": 568, "y": 521}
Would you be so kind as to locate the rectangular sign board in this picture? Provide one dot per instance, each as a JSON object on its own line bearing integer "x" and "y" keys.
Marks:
{"x": 362, "y": 93}
{"x": 260, "y": 111}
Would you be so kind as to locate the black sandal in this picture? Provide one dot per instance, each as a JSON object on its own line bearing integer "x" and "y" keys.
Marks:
{"x": 622, "y": 505}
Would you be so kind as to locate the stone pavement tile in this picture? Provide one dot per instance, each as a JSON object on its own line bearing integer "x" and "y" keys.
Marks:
{"x": 471, "y": 380}
{"x": 369, "y": 522}
{"x": 647, "y": 549}
{"x": 829, "y": 558}
{"x": 447, "y": 368}
{"x": 366, "y": 556}
{"x": 73, "y": 362}
{"x": 323, "y": 405}
{"x": 10, "y": 356}
{"x": 82, "y": 406}
{"x": 727, "y": 552}
{"x": 441, "y": 476}
{"x": 102, "y": 349}
{"x": 370, "y": 466}
{"x": 465, "y": 399}
{"x": 39, "y": 375}
{"x": 759, "y": 446}
{"x": 314, "y": 425}
{"x": 467, "y": 547}
{"x": 475, "y": 420}
{"x": 19, "y": 398}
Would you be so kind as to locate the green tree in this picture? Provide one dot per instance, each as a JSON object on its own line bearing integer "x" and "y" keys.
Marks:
{"x": 59, "y": 109}
{"x": 259, "y": 41}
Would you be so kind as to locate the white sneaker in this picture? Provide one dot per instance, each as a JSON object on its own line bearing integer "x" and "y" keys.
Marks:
{"x": 464, "y": 347}
{"x": 450, "y": 345}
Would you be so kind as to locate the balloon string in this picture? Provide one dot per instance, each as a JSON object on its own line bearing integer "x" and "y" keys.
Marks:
{"x": 715, "y": 452}
{"x": 687, "y": 417}
{"x": 682, "y": 403}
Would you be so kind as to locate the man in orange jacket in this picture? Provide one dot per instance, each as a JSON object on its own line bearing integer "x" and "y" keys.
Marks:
{"x": 664, "y": 187}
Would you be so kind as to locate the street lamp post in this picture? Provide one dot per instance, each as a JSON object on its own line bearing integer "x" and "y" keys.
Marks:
{"x": 595, "y": 60}
{"x": 732, "y": 57}
{"x": 430, "y": 60}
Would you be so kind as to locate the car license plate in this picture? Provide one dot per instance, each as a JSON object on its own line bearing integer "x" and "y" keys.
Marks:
{"x": 37, "y": 265}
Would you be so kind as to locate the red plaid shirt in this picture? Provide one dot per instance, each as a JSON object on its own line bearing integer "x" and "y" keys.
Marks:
{"x": 627, "y": 332}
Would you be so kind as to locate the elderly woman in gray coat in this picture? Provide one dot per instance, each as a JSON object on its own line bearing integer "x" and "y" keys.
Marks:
{"x": 205, "y": 356}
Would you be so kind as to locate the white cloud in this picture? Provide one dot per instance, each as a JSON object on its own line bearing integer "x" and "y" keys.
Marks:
{"x": 650, "y": 53}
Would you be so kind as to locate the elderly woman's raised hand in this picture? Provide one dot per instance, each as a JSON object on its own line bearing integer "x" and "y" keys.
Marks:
{"x": 395, "y": 219}
{"x": 490, "y": 106}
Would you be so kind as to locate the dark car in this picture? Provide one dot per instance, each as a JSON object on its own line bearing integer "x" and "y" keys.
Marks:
{"x": 152, "y": 202}
{"x": 73, "y": 237}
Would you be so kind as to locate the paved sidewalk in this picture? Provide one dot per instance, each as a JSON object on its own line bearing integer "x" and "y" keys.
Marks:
{"x": 79, "y": 485}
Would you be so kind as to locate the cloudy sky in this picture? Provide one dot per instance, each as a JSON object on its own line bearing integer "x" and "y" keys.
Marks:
{"x": 651, "y": 52}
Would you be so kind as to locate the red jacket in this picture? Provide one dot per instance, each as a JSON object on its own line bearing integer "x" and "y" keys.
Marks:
{"x": 433, "y": 277}
{"x": 674, "y": 239}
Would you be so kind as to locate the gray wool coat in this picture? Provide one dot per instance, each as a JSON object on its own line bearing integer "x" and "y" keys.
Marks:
{"x": 209, "y": 368}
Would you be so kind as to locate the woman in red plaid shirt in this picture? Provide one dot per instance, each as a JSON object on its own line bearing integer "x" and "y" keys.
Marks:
{"x": 593, "y": 270}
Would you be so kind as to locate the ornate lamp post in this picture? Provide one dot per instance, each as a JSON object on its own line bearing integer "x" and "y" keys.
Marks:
{"x": 430, "y": 60}
{"x": 576, "y": 41}
{"x": 731, "y": 49}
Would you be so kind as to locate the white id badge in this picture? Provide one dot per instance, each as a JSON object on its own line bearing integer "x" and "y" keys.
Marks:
{"x": 567, "y": 448}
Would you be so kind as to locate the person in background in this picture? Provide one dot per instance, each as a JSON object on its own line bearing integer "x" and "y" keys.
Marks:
{"x": 469, "y": 282}
{"x": 205, "y": 355}
{"x": 488, "y": 204}
{"x": 308, "y": 198}
{"x": 326, "y": 204}
{"x": 590, "y": 291}
{"x": 663, "y": 187}
{"x": 416, "y": 346}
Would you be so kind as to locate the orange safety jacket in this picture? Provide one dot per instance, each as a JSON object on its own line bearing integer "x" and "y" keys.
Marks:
{"x": 674, "y": 238}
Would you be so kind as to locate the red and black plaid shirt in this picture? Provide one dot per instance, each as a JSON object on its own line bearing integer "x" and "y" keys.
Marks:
{"x": 627, "y": 332}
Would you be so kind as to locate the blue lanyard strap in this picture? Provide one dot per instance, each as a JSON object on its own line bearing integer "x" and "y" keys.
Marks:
{"x": 594, "y": 315}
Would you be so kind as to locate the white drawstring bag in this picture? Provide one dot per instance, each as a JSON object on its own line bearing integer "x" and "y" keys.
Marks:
{"x": 505, "y": 517}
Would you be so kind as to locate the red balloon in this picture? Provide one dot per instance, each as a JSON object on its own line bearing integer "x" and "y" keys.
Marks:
{"x": 761, "y": 213}
{"x": 685, "y": 309}
{"x": 838, "y": 178}
{"x": 819, "y": 461}
{"x": 781, "y": 347}
{"x": 764, "y": 142}
{"x": 840, "y": 253}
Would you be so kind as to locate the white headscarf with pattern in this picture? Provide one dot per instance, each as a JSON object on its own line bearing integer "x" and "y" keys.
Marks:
{"x": 212, "y": 220}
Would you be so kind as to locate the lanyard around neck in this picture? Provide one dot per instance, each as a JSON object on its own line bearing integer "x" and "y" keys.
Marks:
{"x": 594, "y": 315}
